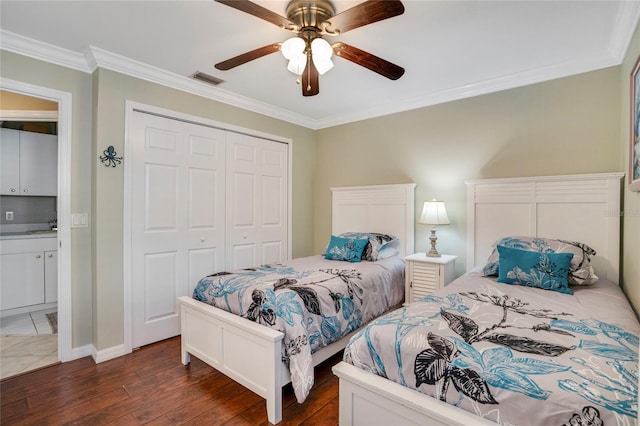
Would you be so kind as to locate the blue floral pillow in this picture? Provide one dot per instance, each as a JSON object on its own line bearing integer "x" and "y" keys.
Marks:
{"x": 377, "y": 242}
{"x": 545, "y": 270}
{"x": 580, "y": 273}
{"x": 349, "y": 249}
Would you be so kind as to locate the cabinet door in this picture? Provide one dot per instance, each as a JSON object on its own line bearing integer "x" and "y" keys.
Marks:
{"x": 9, "y": 162}
{"x": 38, "y": 164}
{"x": 50, "y": 276}
{"x": 425, "y": 279}
{"x": 22, "y": 280}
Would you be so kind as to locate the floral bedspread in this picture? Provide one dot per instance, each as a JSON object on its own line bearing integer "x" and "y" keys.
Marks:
{"x": 513, "y": 354}
{"x": 313, "y": 301}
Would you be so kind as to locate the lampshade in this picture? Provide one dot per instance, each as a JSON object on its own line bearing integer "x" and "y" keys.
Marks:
{"x": 321, "y": 52}
{"x": 297, "y": 64}
{"x": 293, "y": 47}
{"x": 322, "y": 65}
{"x": 434, "y": 213}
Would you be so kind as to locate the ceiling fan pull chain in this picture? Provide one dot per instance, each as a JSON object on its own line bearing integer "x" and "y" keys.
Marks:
{"x": 308, "y": 72}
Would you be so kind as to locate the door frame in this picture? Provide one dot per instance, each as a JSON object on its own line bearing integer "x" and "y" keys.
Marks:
{"x": 64, "y": 101}
{"x": 130, "y": 108}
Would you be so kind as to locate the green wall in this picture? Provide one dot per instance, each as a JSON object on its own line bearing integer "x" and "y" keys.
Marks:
{"x": 565, "y": 126}
{"x": 631, "y": 211}
{"x": 27, "y": 70}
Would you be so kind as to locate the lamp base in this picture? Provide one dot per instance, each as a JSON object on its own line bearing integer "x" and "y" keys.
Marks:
{"x": 433, "y": 252}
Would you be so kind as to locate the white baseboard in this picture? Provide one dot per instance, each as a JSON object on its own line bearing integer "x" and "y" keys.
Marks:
{"x": 107, "y": 354}
{"x": 81, "y": 352}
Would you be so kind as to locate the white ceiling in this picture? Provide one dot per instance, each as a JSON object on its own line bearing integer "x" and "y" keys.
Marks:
{"x": 450, "y": 49}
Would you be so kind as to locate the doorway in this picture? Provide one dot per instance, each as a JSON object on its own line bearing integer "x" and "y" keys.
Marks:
{"x": 28, "y": 228}
{"x": 63, "y": 199}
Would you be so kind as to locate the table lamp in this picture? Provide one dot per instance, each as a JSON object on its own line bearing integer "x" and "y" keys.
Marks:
{"x": 434, "y": 213}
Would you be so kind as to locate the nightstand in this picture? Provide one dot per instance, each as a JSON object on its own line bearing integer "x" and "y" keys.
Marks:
{"x": 424, "y": 275}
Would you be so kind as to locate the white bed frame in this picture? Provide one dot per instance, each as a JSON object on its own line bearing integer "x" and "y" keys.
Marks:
{"x": 250, "y": 353}
{"x": 584, "y": 208}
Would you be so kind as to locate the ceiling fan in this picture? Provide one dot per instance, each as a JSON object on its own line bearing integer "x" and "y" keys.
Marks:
{"x": 308, "y": 53}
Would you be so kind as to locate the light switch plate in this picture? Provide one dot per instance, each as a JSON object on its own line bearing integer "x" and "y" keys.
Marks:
{"x": 79, "y": 220}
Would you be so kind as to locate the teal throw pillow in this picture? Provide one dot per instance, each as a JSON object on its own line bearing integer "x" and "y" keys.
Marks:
{"x": 545, "y": 270}
{"x": 349, "y": 249}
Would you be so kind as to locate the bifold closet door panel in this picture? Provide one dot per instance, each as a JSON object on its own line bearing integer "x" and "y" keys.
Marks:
{"x": 257, "y": 190}
{"x": 178, "y": 218}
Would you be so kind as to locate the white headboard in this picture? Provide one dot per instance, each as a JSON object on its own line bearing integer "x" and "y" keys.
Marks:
{"x": 583, "y": 208}
{"x": 387, "y": 209}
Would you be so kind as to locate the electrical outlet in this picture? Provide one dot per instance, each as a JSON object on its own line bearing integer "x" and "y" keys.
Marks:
{"x": 9, "y": 216}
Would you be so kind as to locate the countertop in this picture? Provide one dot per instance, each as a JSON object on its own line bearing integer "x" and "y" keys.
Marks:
{"x": 27, "y": 235}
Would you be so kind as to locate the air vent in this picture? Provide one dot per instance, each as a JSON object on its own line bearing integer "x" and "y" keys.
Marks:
{"x": 207, "y": 78}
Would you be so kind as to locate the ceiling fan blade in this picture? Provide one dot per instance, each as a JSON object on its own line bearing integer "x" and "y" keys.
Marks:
{"x": 248, "y": 56}
{"x": 259, "y": 12}
{"x": 310, "y": 80}
{"x": 367, "y": 60}
{"x": 363, "y": 14}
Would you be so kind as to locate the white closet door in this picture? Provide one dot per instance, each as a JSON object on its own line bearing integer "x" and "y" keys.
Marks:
{"x": 257, "y": 171}
{"x": 178, "y": 223}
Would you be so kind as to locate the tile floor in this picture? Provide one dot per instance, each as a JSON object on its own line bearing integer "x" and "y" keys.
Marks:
{"x": 26, "y": 343}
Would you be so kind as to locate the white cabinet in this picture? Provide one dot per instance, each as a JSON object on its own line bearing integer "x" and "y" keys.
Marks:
{"x": 9, "y": 162}
{"x": 22, "y": 280}
{"x": 29, "y": 163}
{"x": 424, "y": 275}
{"x": 28, "y": 272}
{"x": 50, "y": 276}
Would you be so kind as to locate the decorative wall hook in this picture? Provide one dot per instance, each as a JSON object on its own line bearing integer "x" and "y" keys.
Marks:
{"x": 110, "y": 157}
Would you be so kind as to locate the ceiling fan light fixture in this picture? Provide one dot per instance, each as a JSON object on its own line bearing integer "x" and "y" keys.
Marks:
{"x": 297, "y": 64}
{"x": 322, "y": 65}
{"x": 321, "y": 52}
{"x": 293, "y": 47}
{"x": 321, "y": 49}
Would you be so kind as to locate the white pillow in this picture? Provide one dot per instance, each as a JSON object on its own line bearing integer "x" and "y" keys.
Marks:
{"x": 387, "y": 252}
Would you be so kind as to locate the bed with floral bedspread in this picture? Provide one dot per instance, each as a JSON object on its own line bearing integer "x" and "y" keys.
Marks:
{"x": 313, "y": 301}
{"x": 513, "y": 354}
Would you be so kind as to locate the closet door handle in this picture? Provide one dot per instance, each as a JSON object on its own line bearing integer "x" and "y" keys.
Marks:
{"x": 50, "y": 255}
{"x": 38, "y": 257}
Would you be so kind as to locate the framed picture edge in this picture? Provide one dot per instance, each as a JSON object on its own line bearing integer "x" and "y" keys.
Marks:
{"x": 634, "y": 157}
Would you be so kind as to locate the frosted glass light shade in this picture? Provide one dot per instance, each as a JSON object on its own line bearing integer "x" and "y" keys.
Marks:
{"x": 292, "y": 47}
{"x": 322, "y": 65}
{"x": 297, "y": 64}
{"x": 434, "y": 213}
{"x": 321, "y": 48}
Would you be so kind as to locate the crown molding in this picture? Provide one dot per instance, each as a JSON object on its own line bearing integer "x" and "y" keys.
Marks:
{"x": 511, "y": 81}
{"x": 108, "y": 60}
{"x": 623, "y": 29}
{"x": 35, "y": 49}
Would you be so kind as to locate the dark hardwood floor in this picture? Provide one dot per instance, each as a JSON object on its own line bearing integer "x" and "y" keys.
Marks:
{"x": 151, "y": 386}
